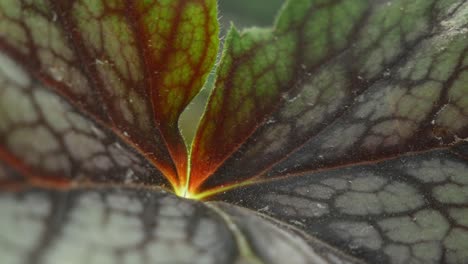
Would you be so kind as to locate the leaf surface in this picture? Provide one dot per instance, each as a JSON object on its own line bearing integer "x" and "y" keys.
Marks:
{"x": 337, "y": 136}
{"x": 110, "y": 225}
{"x": 368, "y": 151}
{"x": 48, "y": 143}
{"x": 95, "y": 189}
{"x": 411, "y": 209}
{"x": 381, "y": 80}
{"x": 133, "y": 225}
{"x": 132, "y": 65}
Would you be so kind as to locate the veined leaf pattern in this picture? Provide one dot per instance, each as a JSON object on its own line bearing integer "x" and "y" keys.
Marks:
{"x": 48, "y": 143}
{"x": 104, "y": 191}
{"x": 336, "y": 136}
{"x": 134, "y": 65}
{"x": 111, "y": 225}
{"x": 371, "y": 68}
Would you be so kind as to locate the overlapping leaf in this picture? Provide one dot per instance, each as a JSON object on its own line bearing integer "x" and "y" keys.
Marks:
{"x": 366, "y": 151}
{"x": 345, "y": 123}
{"x": 99, "y": 201}
{"x": 345, "y": 81}
{"x": 134, "y": 65}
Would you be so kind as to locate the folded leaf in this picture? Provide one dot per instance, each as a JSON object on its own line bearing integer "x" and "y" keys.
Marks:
{"x": 134, "y": 65}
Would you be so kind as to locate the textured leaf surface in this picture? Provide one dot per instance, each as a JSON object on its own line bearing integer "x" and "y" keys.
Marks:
{"x": 48, "y": 143}
{"x": 128, "y": 225}
{"x": 272, "y": 242}
{"x": 382, "y": 79}
{"x": 405, "y": 210}
{"x": 110, "y": 225}
{"x": 368, "y": 153}
{"x": 134, "y": 65}
{"x": 337, "y": 136}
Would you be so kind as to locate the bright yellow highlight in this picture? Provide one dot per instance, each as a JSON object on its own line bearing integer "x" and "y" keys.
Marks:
{"x": 185, "y": 193}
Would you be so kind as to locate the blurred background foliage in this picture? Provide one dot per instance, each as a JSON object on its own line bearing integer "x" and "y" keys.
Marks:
{"x": 244, "y": 14}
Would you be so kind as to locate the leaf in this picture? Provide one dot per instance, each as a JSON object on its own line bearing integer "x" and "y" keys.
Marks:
{"x": 272, "y": 242}
{"x": 110, "y": 225}
{"x": 103, "y": 206}
{"x": 403, "y": 210}
{"x": 366, "y": 149}
{"x": 128, "y": 225}
{"x": 132, "y": 65}
{"x": 335, "y": 83}
{"x": 337, "y": 136}
{"x": 49, "y": 143}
